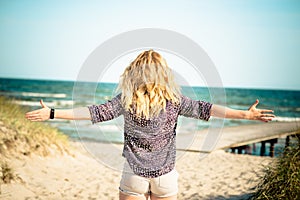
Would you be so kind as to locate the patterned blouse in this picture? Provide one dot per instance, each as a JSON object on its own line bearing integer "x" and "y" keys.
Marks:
{"x": 150, "y": 144}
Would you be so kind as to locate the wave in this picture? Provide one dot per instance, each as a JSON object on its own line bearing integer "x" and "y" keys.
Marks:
{"x": 34, "y": 94}
{"x": 61, "y": 103}
{"x": 286, "y": 119}
{"x": 111, "y": 128}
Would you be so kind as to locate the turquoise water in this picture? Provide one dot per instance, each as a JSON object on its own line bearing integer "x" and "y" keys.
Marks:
{"x": 60, "y": 94}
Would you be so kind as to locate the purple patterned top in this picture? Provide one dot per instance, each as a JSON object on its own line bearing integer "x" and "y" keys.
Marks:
{"x": 149, "y": 144}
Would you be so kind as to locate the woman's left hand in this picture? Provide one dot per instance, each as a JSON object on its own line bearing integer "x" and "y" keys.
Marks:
{"x": 260, "y": 114}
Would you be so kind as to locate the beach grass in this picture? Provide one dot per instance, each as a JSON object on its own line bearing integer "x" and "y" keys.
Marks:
{"x": 281, "y": 180}
{"x": 21, "y": 137}
{"x": 6, "y": 172}
{"x": 36, "y": 136}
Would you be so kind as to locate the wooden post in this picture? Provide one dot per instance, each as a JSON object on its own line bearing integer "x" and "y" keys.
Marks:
{"x": 232, "y": 150}
{"x": 287, "y": 141}
{"x": 263, "y": 148}
{"x": 240, "y": 149}
{"x": 254, "y": 148}
{"x": 272, "y": 142}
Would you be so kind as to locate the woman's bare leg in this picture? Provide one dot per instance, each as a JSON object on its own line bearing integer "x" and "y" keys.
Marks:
{"x": 123, "y": 196}
{"x": 164, "y": 198}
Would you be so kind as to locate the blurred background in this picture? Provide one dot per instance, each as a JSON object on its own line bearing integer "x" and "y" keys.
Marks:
{"x": 254, "y": 45}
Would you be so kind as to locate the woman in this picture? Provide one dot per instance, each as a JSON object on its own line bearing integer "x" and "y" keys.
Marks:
{"x": 150, "y": 102}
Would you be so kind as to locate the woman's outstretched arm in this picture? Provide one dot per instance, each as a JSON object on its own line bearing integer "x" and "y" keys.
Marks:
{"x": 43, "y": 114}
{"x": 251, "y": 114}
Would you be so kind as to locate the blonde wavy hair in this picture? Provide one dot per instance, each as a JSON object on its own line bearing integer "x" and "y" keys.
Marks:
{"x": 147, "y": 84}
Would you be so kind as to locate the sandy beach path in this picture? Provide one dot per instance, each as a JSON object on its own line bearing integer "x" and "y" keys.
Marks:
{"x": 217, "y": 176}
{"x": 68, "y": 177}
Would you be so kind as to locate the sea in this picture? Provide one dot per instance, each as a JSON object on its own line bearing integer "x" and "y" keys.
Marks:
{"x": 69, "y": 94}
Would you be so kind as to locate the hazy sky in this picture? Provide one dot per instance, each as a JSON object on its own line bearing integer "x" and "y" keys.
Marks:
{"x": 253, "y": 43}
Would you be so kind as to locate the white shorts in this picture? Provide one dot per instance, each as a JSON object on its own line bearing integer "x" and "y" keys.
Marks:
{"x": 162, "y": 186}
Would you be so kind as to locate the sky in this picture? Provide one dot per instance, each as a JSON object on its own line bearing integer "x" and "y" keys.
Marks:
{"x": 253, "y": 44}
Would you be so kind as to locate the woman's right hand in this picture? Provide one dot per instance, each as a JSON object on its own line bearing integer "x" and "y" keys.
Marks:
{"x": 42, "y": 114}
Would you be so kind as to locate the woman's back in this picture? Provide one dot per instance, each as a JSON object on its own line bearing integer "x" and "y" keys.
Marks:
{"x": 150, "y": 143}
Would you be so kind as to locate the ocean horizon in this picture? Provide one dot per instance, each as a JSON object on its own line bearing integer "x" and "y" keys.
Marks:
{"x": 86, "y": 81}
{"x": 60, "y": 94}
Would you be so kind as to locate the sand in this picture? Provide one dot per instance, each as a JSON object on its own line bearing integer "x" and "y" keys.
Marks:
{"x": 78, "y": 175}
